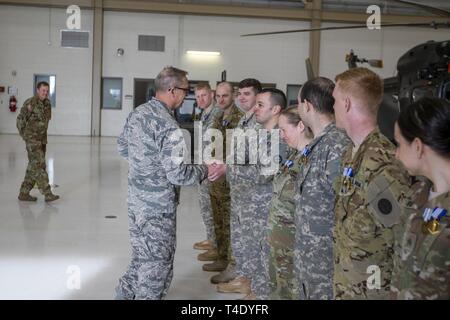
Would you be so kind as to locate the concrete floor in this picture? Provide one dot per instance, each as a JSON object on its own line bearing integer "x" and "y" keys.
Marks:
{"x": 44, "y": 247}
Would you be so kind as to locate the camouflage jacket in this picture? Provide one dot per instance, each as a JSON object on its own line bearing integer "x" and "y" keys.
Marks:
{"x": 422, "y": 259}
{"x": 152, "y": 143}
{"x": 368, "y": 205}
{"x": 223, "y": 123}
{"x": 282, "y": 205}
{"x": 209, "y": 118}
{"x": 245, "y": 141}
{"x": 32, "y": 121}
{"x": 314, "y": 217}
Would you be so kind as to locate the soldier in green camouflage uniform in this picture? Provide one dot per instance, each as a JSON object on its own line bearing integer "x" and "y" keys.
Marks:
{"x": 371, "y": 192}
{"x": 281, "y": 226}
{"x": 220, "y": 189}
{"x": 32, "y": 123}
{"x": 422, "y": 251}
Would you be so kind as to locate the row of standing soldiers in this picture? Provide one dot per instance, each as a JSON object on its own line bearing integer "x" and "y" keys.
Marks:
{"x": 340, "y": 219}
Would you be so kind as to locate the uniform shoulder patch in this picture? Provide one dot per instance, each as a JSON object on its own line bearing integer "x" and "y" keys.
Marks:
{"x": 382, "y": 202}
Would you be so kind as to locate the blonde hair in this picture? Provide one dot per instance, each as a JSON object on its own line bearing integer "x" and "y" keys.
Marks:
{"x": 293, "y": 118}
{"x": 364, "y": 85}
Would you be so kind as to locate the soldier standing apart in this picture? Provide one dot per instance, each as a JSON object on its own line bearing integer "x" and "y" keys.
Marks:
{"x": 205, "y": 101}
{"x": 314, "y": 216}
{"x": 281, "y": 233}
{"x": 241, "y": 179}
{"x": 370, "y": 192}
{"x": 270, "y": 104}
{"x": 32, "y": 123}
{"x": 148, "y": 141}
{"x": 220, "y": 189}
{"x": 422, "y": 133}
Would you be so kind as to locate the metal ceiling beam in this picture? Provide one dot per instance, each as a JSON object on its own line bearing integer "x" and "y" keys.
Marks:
{"x": 221, "y": 10}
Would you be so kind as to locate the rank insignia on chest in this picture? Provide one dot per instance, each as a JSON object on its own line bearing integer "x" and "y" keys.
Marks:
{"x": 431, "y": 218}
{"x": 225, "y": 123}
{"x": 305, "y": 153}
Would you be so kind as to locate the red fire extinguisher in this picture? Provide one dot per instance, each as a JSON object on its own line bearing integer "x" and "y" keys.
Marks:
{"x": 12, "y": 104}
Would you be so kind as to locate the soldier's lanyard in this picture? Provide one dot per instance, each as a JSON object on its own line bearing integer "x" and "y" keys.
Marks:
{"x": 431, "y": 218}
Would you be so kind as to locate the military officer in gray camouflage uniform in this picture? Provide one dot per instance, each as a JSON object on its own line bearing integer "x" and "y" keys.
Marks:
{"x": 204, "y": 97}
{"x": 32, "y": 123}
{"x": 152, "y": 143}
{"x": 314, "y": 218}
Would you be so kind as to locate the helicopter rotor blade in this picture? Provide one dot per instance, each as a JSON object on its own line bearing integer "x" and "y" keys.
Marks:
{"x": 436, "y": 11}
{"x": 430, "y": 24}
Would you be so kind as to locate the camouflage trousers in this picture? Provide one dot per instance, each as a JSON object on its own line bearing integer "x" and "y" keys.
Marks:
{"x": 281, "y": 238}
{"x": 220, "y": 204}
{"x": 313, "y": 261}
{"x": 206, "y": 210}
{"x": 153, "y": 242}
{"x": 254, "y": 228}
{"x": 239, "y": 203}
{"x": 36, "y": 170}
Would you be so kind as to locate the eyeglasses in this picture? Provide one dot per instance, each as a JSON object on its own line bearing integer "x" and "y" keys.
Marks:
{"x": 186, "y": 90}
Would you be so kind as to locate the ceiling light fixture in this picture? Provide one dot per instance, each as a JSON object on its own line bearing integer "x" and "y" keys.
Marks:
{"x": 203, "y": 53}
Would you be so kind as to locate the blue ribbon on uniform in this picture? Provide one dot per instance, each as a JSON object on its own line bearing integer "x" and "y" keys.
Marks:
{"x": 288, "y": 163}
{"x": 306, "y": 151}
{"x": 348, "y": 172}
{"x": 435, "y": 214}
{"x": 225, "y": 123}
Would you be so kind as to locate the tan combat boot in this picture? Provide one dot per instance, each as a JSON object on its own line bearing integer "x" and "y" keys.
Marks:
{"x": 26, "y": 197}
{"x": 210, "y": 255}
{"x": 216, "y": 266}
{"x": 226, "y": 275}
{"x": 51, "y": 197}
{"x": 238, "y": 285}
{"x": 204, "y": 245}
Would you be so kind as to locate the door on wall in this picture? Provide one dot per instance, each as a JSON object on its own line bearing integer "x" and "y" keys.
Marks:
{"x": 144, "y": 90}
{"x": 51, "y": 80}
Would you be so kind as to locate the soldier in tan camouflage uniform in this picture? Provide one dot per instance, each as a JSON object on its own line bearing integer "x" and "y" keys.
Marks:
{"x": 220, "y": 189}
{"x": 32, "y": 123}
{"x": 205, "y": 101}
{"x": 422, "y": 257}
{"x": 371, "y": 192}
{"x": 281, "y": 226}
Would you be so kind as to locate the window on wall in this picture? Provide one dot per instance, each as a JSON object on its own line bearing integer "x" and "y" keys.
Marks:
{"x": 112, "y": 93}
{"x": 51, "y": 80}
{"x": 292, "y": 93}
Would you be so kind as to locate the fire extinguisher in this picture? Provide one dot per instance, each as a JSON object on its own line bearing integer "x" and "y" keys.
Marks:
{"x": 12, "y": 104}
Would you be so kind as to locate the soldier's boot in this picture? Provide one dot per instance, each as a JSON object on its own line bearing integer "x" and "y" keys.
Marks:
{"x": 238, "y": 285}
{"x": 51, "y": 197}
{"x": 226, "y": 275}
{"x": 26, "y": 197}
{"x": 216, "y": 266}
{"x": 210, "y": 255}
{"x": 204, "y": 245}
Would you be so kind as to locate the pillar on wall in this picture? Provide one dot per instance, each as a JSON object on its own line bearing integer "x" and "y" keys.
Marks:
{"x": 97, "y": 53}
{"x": 314, "y": 37}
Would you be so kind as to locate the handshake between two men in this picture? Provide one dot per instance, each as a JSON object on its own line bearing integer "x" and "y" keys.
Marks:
{"x": 216, "y": 169}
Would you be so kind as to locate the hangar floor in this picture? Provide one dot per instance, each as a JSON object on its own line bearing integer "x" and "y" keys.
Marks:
{"x": 44, "y": 247}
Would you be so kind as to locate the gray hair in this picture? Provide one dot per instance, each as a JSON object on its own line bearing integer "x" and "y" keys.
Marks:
{"x": 169, "y": 77}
